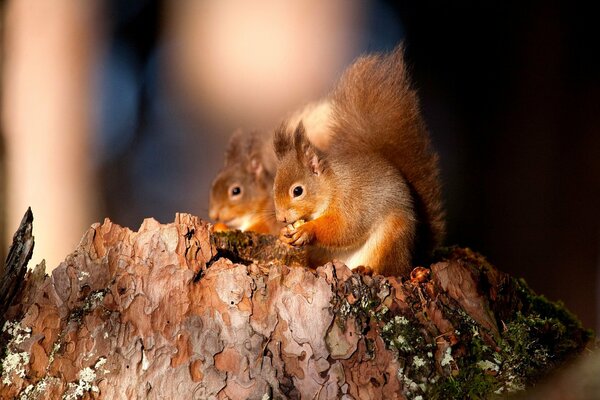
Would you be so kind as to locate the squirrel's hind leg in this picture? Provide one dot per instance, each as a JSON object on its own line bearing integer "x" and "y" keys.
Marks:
{"x": 388, "y": 250}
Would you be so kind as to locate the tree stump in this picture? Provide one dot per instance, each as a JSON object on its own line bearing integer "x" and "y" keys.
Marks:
{"x": 174, "y": 311}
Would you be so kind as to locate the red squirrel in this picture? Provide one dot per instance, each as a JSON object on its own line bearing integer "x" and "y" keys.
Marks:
{"x": 241, "y": 195}
{"x": 373, "y": 196}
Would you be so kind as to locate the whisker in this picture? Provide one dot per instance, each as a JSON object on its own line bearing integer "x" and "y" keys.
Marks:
{"x": 266, "y": 214}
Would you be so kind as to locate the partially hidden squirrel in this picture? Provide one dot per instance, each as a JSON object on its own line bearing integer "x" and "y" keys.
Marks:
{"x": 241, "y": 195}
{"x": 373, "y": 197}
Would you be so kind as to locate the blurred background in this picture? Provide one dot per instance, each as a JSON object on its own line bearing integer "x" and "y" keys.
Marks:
{"x": 122, "y": 109}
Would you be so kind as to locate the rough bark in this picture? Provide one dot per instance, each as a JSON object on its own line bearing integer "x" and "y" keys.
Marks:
{"x": 15, "y": 267}
{"x": 173, "y": 311}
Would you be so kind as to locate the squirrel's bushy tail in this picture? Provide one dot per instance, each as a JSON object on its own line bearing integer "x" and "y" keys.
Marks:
{"x": 374, "y": 109}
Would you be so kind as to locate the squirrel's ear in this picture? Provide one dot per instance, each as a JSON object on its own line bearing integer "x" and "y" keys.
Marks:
{"x": 255, "y": 166}
{"x": 315, "y": 162}
{"x": 307, "y": 153}
{"x": 234, "y": 148}
{"x": 282, "y": 142}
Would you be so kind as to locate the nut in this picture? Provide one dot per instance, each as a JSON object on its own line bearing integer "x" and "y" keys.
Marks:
{"x": 219, "y": 227}
{"x": 298, "y": 223}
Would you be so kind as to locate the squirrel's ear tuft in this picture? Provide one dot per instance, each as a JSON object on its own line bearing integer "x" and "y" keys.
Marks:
{"x": 307, "y": 153}
{"x": 301, "y": 142}
{"x": 282, "y": 142}
{"x": 235, "y": 147}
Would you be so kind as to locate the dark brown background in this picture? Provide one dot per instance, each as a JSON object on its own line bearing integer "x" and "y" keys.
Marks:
{"x": 512, "y": 96}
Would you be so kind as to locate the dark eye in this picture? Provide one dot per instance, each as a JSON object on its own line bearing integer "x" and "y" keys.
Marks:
{"x": 236, "y": 191}
{"x": 298, "y": 191}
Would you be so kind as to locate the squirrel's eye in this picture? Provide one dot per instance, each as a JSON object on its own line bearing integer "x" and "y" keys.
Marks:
{"x": 236, "y": 191}
{"x": 298, "y": 191}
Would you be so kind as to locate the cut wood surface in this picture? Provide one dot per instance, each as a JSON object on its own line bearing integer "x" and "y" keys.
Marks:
{"x": 174, "y": 311}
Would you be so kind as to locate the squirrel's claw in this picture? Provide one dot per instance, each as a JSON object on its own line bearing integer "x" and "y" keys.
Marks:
{"x": 297, "y": 237}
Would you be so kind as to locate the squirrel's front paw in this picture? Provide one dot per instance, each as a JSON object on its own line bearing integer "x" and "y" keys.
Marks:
{"x": 297, "y": 235}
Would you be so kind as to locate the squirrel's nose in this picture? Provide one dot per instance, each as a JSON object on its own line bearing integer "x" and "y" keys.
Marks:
{"x": 213, "y": 214}
{"x": 280, "y": 217}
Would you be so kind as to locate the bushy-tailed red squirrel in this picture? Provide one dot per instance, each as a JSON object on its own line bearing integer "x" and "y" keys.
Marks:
{"x": 241, "y": 195}
{"x": 373, "y": 197}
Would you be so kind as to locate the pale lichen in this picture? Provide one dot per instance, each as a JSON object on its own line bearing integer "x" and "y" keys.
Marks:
{"x": 100, "y": 363}
{"x": 447, "y": 359}
{"x": 400, "y": 335}
{"x": 488, "y": 365}
{"x": 76, "y": 390}
{"x": 412, "y": 390}
{"x": 87, "y": 376}
{"x": 83, "y": 275}
{"x": 15, "y": 361}
{"x": 418, "y": 362}
{"x": 53, "y": 352}
{"x": 36, "y": 391}
{"x": 93, "y": 301}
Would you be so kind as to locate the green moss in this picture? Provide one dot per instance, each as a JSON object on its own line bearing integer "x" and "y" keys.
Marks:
{"x": 570, "y": 332}
{"x": 367, "y": 304}
{"x": 90, "y": 303}
{"x": 247, "y": 247}
{"x": 542, "y": 335}
{"x": 235, "y": 239}
{"x": 469, "y": 383}
{"x": 476, "y": 374}
{"x": 404, "y": 336}
{"x": 415, "y": 352}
